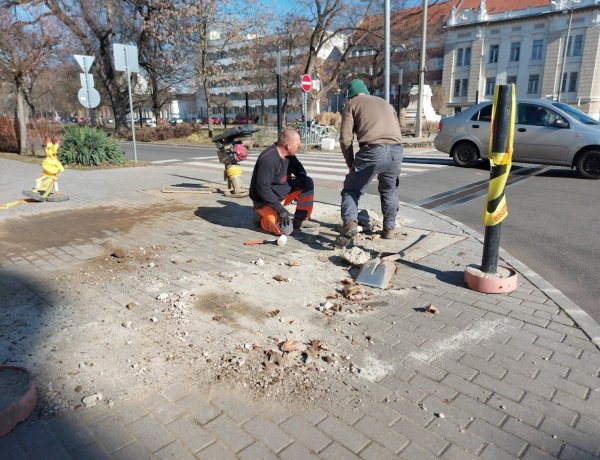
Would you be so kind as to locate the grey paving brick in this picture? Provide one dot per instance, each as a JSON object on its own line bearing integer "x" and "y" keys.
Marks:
{"x": 336, "y": 451}
{"x": 92, "y": 451}
{"x": 523, "y": 367}
{"x": 412, "y": 411}
{"x": 590, "y": 406}
{"x": 583, "y": 378}
{"x": 375, "y": 451}
{"x": 447, "y": 407}
{"x": 493, "y": 452}
{"x": 111, "y": 433}
{"x": 457, "y": 435}
{"x": 385, "y": 436}
{"x": 344, "y": 434}
{"x": 256, "y": 451}
{"x": 573, "y": 453}
{"x": 570, "y": 435}
{"x": 456, "y": 368}
{"x": 533, "y": 453}
{"x": 440, "y": 390}
{"x": 589, "y": 425}
{"x": 164, "y": 410}
{"x": 346, "y": 412}
{"x": 592, "y": 357}
{"x": 384, "y": 412}
{"x": 268, "y": 434}
{"x": 215, "y": 451}
{"x": 199, "y": 407}
{"x": 69, "y": 431}
{"x": 528, "y": 347}
{"x": 426, "y": 369}
{"x": 276, "y": 413}
{"x": 464, "y": 386}
{"x": 174, "y": 451}
{"x": 131, "y": 411}
{"x": 500, "y": 349}
{"x": 534, "y": 436}
{"x": 568, "y": 329}
{"x": 314, "y": 414}
{"x": 190, "y": 434}
{"x": 301, "y": 430}
{"x": 561, "y": 347}
{"x": 492, "y": 307}
{"x": 563, "y": 384}
{"x": 583, "y": 343}
{"x": 402, "y": 388}
{"x": 297, "y": 451}
{"x": 11, "y": 449}
{"x": 150, "y": 433}
{"x": 234, "y": 408}
{"x": 544, "y": 364}
{"x": 516, "y": 410}
{"x": 548, "y": 408}
{"x": 226, "y": 431}
{"x": 455, "y": 452}
{"x": 503, "y": 387}
{"x": 133, "y": 451}
{"x": 416, "y": 451}
{"x": 579, "y": 364}
{"x": 479, "y": 410}
{"x": 544, "y": 332}
{"x": 504, "y": 440}
{"x": 490, "y": 368}
{"x": 416, "y": 433}
{"x": 177, "y": 391}
{"x": 530, "y": 385}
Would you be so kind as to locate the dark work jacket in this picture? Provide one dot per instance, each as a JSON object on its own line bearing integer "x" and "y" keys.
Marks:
{"x": 271, "y": 178}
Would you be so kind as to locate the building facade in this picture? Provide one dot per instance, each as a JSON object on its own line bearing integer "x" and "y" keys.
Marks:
{"x": 548, "y": 50}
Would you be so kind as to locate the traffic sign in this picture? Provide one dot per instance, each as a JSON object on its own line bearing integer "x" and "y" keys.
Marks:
{"x": 86, "y": 79}
{"x": 126, "y": 58}
{"x": 85, "y": 62}
{"x": 89, "y": 97}
{"x": 306, "y": 83}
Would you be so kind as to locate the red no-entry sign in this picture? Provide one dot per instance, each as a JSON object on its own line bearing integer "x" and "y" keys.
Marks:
{"x": 306, "y": 83}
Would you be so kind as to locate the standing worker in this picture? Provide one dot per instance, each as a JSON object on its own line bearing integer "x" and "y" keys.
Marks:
{"x": 278, "y": 179}
{"x": 376, "y": 126}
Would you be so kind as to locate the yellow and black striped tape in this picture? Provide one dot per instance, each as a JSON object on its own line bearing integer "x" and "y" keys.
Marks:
{"x": 496, "y": 208}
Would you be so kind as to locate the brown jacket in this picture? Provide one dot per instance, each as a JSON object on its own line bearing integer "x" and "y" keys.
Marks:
{"x": 372, "y": 120}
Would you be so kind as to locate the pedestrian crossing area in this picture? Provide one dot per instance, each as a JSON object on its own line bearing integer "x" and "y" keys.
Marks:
{"x": 329, "y": 166}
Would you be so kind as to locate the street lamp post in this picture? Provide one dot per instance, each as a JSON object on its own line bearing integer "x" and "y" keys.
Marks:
{"x": 418, "y": 121}
{"x": 386, "y": 50}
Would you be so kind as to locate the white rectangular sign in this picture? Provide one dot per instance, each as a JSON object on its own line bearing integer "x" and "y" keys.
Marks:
{"x": 126, "y": 56}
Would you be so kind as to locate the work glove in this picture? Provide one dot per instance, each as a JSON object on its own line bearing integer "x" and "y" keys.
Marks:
{"x": 285, "y": 218}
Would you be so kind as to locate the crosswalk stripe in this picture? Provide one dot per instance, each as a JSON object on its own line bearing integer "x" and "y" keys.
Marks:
{"x": 163, "y": 161}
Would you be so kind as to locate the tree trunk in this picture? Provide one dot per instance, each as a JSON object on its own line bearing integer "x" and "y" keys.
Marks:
{"x": 21, "y": 125}
{"x": 208, "y": 106}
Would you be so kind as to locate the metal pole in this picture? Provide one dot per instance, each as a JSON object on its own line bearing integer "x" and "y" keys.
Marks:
{"x": 564, "y": 59}
{"x": 400, "y": 76}
{"x": 499, "y": 170}
{"x": 419, "y": 116}
{"x": 247, "y": 110}
{"x": 278, "y": 72}
{"x": 130, "y": 106}
{"x": 386, "y": 50}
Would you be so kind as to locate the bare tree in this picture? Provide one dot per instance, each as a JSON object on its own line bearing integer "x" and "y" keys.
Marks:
{"x": 26, "y": 44}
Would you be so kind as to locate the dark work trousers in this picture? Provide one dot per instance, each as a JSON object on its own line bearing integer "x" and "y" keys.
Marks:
{"x": 383, "y": 161}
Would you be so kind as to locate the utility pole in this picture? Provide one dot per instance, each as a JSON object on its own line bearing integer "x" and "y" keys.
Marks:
{"x": 386, "y": 50}
{"x": 419, "y": 115}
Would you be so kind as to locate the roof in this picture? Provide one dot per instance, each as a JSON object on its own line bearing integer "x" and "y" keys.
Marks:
{"x": 496, "y": 6}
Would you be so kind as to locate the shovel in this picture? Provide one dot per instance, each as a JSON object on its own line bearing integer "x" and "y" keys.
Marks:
{"x": 378, "y": 272}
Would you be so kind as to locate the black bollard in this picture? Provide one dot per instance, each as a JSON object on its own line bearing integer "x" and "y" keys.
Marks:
{"x": 500, "y": 156}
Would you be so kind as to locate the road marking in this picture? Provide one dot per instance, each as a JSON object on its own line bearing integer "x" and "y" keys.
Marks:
{"x": 164, "y": 161}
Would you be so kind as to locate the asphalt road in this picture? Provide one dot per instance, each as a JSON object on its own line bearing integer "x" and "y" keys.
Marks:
{"x": 553, "y": 222}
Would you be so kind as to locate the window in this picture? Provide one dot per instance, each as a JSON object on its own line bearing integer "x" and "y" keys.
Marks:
{"x": 573, "y": 82}
{"x": 536, "y": 115}
{"x": 511, "y": 79}
{"x": 536, "y": 50}
{"x": 493, "y": 54}
{"x": 460, "y": 87}
{"x": 533, "y": 84}
{"x": 575, "y": 45}
{"x": 489, "y": 86}
{"x": 463, "y": 56}
{"x": 485, "y": 114}
{"x": 515, "y": 51}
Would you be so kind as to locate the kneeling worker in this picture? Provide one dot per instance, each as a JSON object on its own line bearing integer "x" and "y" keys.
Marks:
{"x": 278, "y": 179}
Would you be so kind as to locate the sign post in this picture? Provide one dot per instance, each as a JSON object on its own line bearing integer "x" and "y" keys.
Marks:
{"x": 88, "y": 95}
{"x": 306, "y": 83}
{"x": 126, "y": 60}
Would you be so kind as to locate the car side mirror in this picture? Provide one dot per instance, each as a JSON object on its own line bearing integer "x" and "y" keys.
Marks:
{"x": 560, "y": 123}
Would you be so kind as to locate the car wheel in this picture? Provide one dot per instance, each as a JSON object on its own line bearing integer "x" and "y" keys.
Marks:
{"x": 588, "y": 164}
{"x": 465, "y": 154}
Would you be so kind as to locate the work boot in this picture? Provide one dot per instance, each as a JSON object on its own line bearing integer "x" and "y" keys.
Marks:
{"x": 388, "y": 233}
{"x": 256, "y": 220}
{"x": 305, "y": 224}
{"x": 347, "y": 234}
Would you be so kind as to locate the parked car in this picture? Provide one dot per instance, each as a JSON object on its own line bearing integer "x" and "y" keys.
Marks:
{"x": 242, "y": 120}
{"x": 215, "y": 120}
{"x": 148, "y": 122}
{"x": 175, "y": 121}
{"x": 546, "y": 132}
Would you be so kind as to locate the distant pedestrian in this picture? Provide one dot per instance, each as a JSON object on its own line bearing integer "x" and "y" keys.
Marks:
{"x": 375, "y": 124}
{"x": 278, "y": 179}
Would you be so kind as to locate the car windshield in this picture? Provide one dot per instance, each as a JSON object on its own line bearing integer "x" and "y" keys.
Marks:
{"x": 577, "y": 114}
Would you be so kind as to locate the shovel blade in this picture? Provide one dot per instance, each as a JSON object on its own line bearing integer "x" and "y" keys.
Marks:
{"x": 376, "y": 273}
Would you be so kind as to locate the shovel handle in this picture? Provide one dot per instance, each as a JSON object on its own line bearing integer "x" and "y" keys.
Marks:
{"x": 247, "y": 243}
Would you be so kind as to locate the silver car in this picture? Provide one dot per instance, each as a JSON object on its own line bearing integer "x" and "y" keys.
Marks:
{"x": 546, "y": 132}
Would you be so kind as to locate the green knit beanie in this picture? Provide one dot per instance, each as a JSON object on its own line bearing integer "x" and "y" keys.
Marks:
{"x": 356, "y": 87}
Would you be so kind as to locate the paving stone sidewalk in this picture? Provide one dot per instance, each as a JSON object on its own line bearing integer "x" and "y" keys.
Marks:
{"x": 492, "y": 376}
